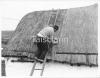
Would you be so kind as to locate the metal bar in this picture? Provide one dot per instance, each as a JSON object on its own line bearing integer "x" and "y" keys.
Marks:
{"x": 22, "y": 61}
{"x": 76, "y": 53}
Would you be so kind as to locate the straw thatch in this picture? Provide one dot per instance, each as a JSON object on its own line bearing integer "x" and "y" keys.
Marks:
{"x": 80, "y": 28}
{"x": 77, "y": 25}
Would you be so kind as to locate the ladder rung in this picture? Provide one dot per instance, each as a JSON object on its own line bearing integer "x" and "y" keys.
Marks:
{"x": 38, "y": 69}
{"x": 54, "y": 14}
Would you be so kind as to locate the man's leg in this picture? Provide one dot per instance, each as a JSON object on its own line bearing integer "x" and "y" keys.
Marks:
{"x": 44, "y": 50}
{"x": 39, "y": 50}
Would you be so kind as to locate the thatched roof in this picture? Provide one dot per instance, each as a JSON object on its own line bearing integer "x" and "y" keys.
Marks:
{"x": 78, "y": 25}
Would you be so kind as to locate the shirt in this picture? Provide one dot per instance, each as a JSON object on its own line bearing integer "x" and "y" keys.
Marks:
{"x": 46, "y": 32}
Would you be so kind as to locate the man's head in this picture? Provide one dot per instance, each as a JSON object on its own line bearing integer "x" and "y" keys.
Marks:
{"x": 55, "y": 28}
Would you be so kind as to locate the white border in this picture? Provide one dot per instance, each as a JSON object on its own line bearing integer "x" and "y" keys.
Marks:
{"x": 55, "y": 1}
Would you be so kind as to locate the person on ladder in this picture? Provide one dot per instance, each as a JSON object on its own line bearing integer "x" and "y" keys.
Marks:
{"x": 43, "y": 40}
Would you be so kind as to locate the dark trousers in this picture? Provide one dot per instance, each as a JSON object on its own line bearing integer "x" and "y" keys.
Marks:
{"x": 43, "y": 47}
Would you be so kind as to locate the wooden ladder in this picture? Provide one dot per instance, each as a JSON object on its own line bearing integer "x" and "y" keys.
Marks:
{"x": 43, "y": 66}
{"x": 52, "y": 17}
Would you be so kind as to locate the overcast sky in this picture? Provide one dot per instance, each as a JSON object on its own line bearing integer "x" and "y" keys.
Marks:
{"x": 13, "y": 11}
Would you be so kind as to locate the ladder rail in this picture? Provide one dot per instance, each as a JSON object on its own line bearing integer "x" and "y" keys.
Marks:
{"x": 33, "y": 68}
{"x": 43, "y": 65}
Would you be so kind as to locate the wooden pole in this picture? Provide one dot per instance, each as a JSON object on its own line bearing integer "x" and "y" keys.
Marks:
{"x": 3, "y": 67}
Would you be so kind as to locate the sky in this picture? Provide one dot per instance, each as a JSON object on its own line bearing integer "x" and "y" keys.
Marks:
{"x": 13, "y": 11}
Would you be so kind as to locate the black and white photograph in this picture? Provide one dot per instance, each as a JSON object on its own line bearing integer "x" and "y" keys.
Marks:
{"x": 49, "y": 38}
